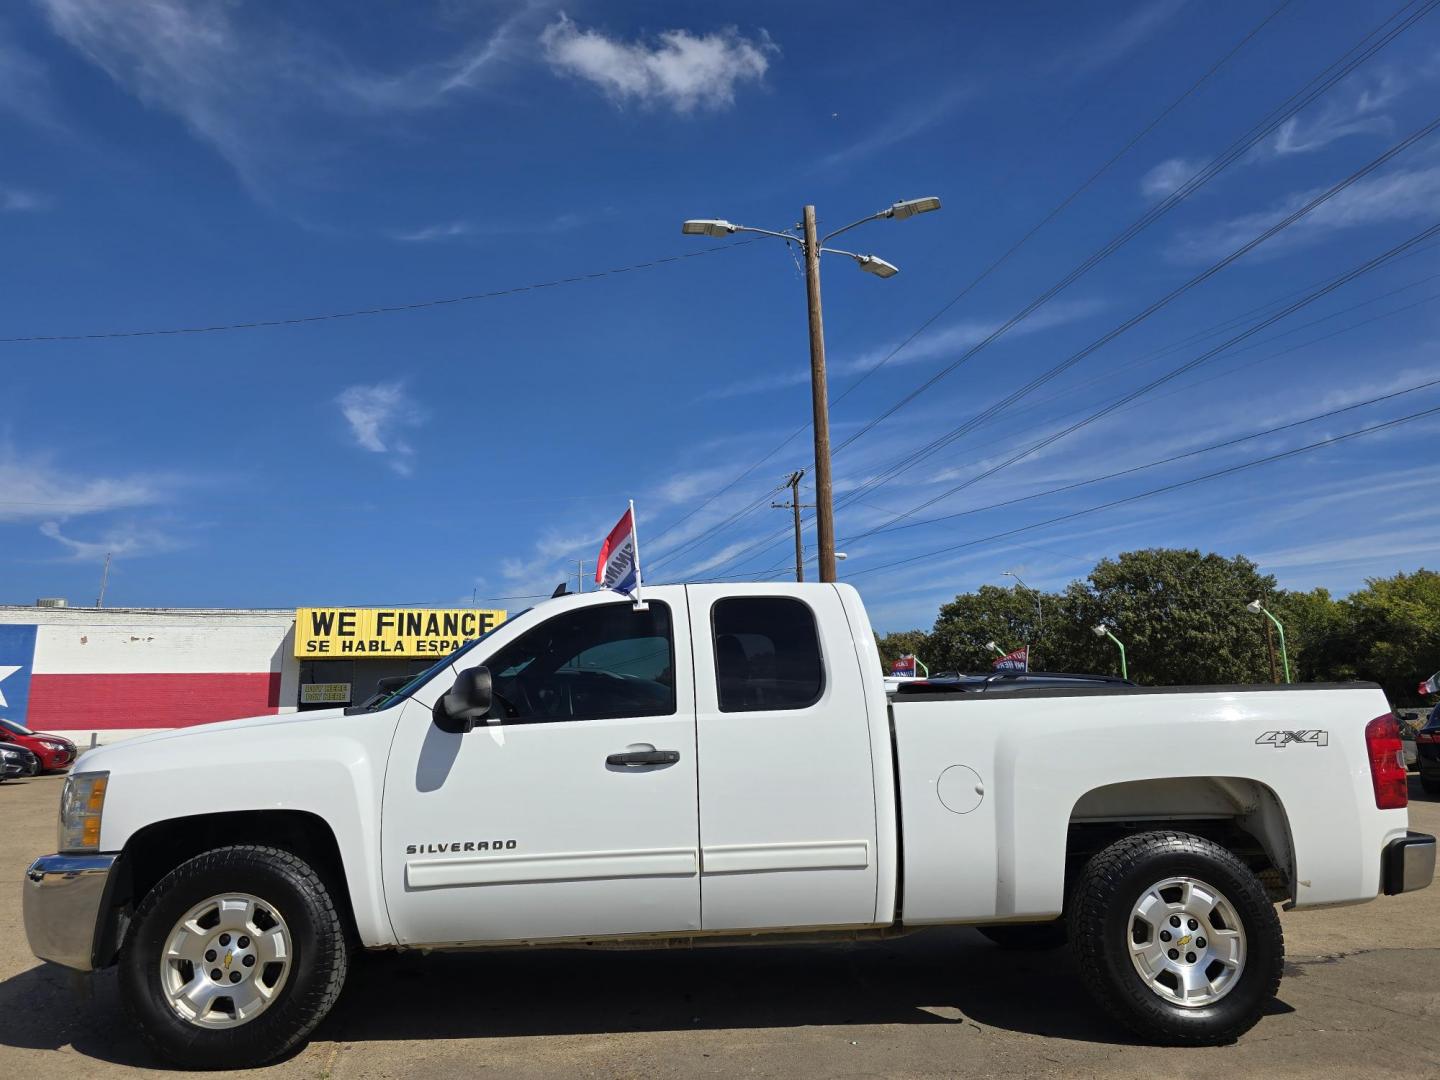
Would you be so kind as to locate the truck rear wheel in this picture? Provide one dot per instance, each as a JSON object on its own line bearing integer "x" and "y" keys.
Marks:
{"x": 1176, "y": 939}
{"x": 233, "y": 958}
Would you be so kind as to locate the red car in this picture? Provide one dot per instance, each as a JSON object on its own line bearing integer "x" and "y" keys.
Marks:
{"x": 54, "y": 751}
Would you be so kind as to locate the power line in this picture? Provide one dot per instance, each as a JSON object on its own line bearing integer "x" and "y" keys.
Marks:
{"x": 914, "y": 458}
{"x": 1317, "y": 85}
{"x": 907, "y": 461}
{"x": 1153, "y": 464}
{"x": 1175, "y": 372}
{"x": 1164, "y": 489}
{"x": 996, "y": 264}
{"x": 387, "y": 309}
{"x": 1267, "y": 125}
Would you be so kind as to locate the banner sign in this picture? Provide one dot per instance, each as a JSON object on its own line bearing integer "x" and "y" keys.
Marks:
{"x": 618, "y": 565}
{"x": 1431, "y": 685}
{"x": 325, "y": 693}
{"x": 904, "y": 667}
{"x": 1018, "y": 660}
{"x": 343, "y": 633}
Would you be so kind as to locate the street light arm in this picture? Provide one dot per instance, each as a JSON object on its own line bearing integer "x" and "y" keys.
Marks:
{"x": 768, "y": 232}
{"x": 830, "y": 236}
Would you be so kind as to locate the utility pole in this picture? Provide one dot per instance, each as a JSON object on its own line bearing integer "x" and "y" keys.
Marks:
{"x": 820, "y": 404}
{"x": 813, "y": 246}
{"x": 794, "y": 504}
{"x": 104, "y": 580}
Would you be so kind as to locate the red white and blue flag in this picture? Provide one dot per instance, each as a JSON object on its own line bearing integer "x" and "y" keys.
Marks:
{"x": 904, "y": 667}
{"x": 618, "y": 566}
{"x": 1431, "y": 685}
{"x": 1018, "y": 660}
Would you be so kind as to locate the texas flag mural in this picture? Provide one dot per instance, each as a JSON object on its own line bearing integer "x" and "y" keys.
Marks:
{"x": 618, "y": 565}
{"x": 107, "y": 676}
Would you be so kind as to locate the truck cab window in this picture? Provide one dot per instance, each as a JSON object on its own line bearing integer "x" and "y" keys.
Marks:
{"x": 767, "y": 654}
{"x": 590, "y": 664}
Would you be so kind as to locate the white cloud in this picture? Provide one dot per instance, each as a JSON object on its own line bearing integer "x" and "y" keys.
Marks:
{"x": 1113, "y": 43}
{"x": 1356, "y": 114}
{"x": 35, "y": 489}
{"x": 376, "y": 415}
{"x": 17, "y": 200}
{"x": 455, "y": 230}
{"x": 265, "y": 95}
{"x": 124, "y": 541}
{"x": 910, "y": 123}
{"x": 682, "y": 70}
{"x": 1167, "y": 177}
{"x": 1403, "y": 195}
{"x": 949, "y": 340}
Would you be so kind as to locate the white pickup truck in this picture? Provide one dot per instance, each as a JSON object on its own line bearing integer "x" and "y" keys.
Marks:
{"x": 720, "y": 766}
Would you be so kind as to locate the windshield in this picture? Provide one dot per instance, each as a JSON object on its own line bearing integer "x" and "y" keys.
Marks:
{"x": 399, "y": 695}
{"x": 12, "y": 727}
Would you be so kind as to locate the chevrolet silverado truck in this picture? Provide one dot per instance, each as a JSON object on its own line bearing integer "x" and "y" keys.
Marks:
{"x": 718, "y": 765}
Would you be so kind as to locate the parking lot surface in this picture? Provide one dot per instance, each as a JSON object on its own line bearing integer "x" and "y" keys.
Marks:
{"x": 1361, "y": 997}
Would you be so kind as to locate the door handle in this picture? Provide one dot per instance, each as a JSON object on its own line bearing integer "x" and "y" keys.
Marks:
{"x": 644, "y": 757}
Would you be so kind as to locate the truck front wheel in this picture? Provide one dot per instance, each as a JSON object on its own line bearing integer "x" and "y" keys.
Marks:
{"x": 1176, "y": 938}
{"x": 233, "y": 958}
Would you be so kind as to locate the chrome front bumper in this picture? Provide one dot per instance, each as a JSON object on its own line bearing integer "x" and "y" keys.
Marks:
{"x": 64, "y": 895}
{"x": 1409, "y": 863}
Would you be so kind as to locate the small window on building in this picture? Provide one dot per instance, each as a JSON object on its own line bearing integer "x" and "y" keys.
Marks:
{"x": 767, "y": 654}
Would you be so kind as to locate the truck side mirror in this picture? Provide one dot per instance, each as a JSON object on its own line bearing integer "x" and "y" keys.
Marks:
{"x": 464, "y": 703}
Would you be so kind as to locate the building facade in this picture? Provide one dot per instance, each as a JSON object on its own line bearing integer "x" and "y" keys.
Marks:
{"x": 141, "y": 669}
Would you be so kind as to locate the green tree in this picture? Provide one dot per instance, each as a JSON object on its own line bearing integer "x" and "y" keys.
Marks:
{"x": 1181, "y": 616}
{"x": 900, "y": 643}
{"x": 1396, "y": 632}
{"x": 1320, "y": 631}
{"x": 1007, "y": 617}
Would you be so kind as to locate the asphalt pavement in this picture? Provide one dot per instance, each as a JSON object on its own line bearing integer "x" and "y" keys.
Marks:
{"x": 1361, "y": 998}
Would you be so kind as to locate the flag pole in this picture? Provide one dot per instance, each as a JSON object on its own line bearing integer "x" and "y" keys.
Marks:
{"x": 639, "y": 598}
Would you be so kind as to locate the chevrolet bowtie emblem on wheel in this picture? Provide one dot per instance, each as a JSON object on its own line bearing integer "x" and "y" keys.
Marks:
{"x": 231, "y": 956}
{"x": 1179, "y": 944}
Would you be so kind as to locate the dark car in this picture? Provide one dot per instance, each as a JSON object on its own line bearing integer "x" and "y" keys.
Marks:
{"x": 1427, "y": 753}
{"x": 16, "y": 761}
{"x": 996, "y": 682}
{"x": 54, "y": 751}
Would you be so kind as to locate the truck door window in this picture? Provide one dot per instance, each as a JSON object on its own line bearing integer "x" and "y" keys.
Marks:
{"x": 767, "y": 654}
{"x": 590, "y": 664}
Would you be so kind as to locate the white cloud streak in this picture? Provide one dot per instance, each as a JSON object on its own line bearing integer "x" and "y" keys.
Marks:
{"x": 377, "y": 414}
{"x": 254, "y": 91}
{"x": 1402, "y": 195}
{"x": 682, "y": 70}
{"x": 944, "y": 342}
{"x": 121, "y": 541}
{"x": 19, "y": 201}
{"x": 35, "y": 489}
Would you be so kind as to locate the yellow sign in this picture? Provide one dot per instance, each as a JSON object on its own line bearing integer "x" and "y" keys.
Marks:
{"x": 356, "y": 633}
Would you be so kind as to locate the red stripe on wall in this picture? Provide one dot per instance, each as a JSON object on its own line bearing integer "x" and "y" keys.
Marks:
{"x": 82, "y": 702}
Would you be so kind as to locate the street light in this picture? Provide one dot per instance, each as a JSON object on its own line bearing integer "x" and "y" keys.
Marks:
{"x": 1101, "y": 630}
{"x": 1255, "y": 607}
{"x": 812, "y": 246}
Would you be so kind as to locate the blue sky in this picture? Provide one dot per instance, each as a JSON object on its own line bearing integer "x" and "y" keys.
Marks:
{"x": 168, "y": 164}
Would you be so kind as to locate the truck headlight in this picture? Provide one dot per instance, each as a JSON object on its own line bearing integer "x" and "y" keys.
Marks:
{"x": 81, "y": 805}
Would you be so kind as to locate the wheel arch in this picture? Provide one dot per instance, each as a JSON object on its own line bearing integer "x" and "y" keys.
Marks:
{"x": 1241, "y": 814}
{"x": 158, "y": 848}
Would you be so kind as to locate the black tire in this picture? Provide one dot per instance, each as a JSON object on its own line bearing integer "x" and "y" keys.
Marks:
{"x": 1100, "y": 935}
{"x": 317, "y": 972}
{"x": 1027, "y": 937}
{"x": 1430, "y": 784}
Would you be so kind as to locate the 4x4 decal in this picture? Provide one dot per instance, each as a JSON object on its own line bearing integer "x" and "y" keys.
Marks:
{"x": 1282, "y": 739}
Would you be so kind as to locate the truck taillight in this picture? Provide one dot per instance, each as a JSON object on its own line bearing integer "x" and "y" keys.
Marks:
{"x": 1387, "y": 763}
